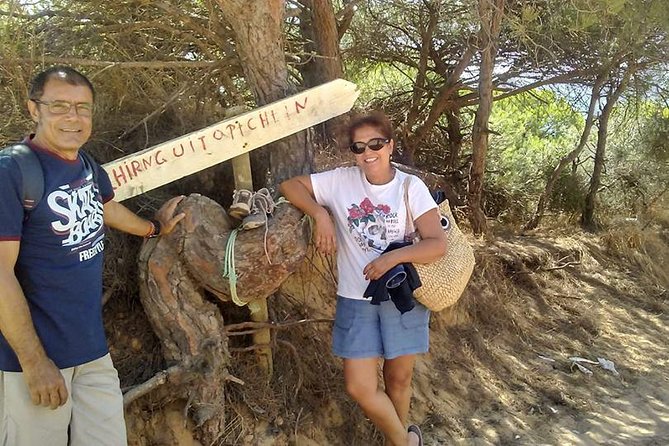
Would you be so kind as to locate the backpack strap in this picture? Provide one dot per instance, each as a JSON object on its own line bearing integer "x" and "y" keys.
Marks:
{"x": 90, "y": 165}
{"x": 31, "y": 174}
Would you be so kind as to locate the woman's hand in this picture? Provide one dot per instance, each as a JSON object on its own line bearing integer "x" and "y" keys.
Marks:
{"x": 379, "y": 266}
{"x": 324, "y": 233}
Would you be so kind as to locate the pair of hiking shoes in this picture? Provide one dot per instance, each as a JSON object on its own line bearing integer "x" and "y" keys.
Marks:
{"x": 251, "y": 207}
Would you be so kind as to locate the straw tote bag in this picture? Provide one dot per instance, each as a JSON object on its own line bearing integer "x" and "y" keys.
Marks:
{"x": 445, "y": 279}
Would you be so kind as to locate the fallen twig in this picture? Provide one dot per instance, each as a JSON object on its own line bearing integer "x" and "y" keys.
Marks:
{"x": 552, "y": 268}
{"x": 298, "y": 363}
{"x": 179, "y": 373}
{"x": 561, "y": 266}
{"x": 173, "y": 373}
{"x": 232, "y": 329}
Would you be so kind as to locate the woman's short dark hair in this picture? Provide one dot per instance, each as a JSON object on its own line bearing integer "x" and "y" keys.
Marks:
{"x": 375, "y": 119}
{"x": 62, "y": 73}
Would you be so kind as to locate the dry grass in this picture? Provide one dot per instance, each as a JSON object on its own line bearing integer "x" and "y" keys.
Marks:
{"x": 646, "y": 249}
{"x": 557, "y": 296}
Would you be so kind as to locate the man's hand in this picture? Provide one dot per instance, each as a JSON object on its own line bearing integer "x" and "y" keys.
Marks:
{"x": 166, "y": 217}
{"x": 44, "y": 380}
{"x": 45, "y": 383}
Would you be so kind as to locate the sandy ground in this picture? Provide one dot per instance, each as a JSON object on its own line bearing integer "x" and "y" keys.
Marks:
{"x": 514, "y": 394}
{"x": 498, "y": 372}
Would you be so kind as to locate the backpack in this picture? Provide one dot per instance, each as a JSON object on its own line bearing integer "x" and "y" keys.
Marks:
{"x": 33, "y": 176}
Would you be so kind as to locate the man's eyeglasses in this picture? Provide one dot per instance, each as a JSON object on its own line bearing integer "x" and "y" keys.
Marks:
{"x": 358, "y": 147}
{"x": 64, "y": 107}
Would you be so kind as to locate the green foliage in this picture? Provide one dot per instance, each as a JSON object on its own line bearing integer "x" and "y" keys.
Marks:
{"x": 531, "y": 133}
{"x": 378, "y": 81}
{"x": 569, "y": 192}
{"x": 638, "y": 165}
{"x": 142, "y": 105}
{"x": 655, "y": 135}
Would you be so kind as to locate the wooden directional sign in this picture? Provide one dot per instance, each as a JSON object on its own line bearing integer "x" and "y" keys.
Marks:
{"x": 142, "y": 171}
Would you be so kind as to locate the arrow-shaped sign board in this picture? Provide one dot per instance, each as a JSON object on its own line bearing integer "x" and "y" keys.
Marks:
{"x": 142, "y": 171}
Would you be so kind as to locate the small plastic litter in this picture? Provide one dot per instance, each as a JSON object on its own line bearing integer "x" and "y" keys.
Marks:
{"x": 578, "y": 359}
{"x": 553, "y": 410}
{"x": 583, "y": 368}
{"x": 608, "y": 365}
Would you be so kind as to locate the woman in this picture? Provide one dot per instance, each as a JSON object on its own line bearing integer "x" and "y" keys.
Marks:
{"x": 369, "y": 213}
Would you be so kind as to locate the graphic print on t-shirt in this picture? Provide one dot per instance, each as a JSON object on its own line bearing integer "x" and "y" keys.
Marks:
{"x": 372, "y": 226}
{"x": 80, "y": 216}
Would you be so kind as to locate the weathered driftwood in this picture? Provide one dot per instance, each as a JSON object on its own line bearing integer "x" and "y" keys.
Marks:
{"x": 177, "y": 270}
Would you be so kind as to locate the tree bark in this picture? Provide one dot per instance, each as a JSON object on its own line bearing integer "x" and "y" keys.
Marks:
{"x": 257, "y": 27}
{"x": 571, "y": 156}
{"x": 588, "y": 217}
{"x": 344, "y": 17}
{"x": 191, "y": 332}
{"x": 177, "y": 271}
{"x": 318, "y": 26}
{"x": 418, "y": 94}
{"x": 491, "y": 13}
{"x": 445, "y": 97}
{"x": 204, "y": 235}
{"x": 454, "y": 138}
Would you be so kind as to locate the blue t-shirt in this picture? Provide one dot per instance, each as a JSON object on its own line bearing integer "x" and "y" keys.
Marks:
{"x": 59, "y": 266}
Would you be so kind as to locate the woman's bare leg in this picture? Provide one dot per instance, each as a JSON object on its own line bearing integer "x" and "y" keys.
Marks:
{"x": 360, "y": 377}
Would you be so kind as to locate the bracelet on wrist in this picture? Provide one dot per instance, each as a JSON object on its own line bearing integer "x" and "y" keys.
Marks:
{"x": 155, "y": 229}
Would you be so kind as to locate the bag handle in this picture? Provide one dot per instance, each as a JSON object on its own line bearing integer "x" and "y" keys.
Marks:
{"x": 409, "y": 228}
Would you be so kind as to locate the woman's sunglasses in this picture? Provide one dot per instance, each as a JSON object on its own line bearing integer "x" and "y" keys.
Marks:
{"x": 374, "y": 144}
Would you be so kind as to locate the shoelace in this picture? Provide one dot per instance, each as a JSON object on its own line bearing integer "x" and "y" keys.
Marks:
{"x": 229, "y": 271}
{"x": 262, "y": 202}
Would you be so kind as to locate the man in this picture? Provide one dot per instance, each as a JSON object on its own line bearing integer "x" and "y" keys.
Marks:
{"x": 57, "y": 382}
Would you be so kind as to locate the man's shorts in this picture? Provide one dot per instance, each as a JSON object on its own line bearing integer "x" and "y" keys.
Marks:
{"x": 363, "y": 330}
{"x": 92, "y": 415}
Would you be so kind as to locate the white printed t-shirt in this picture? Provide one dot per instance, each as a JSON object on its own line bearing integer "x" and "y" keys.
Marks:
{"x": 368, "y": 217}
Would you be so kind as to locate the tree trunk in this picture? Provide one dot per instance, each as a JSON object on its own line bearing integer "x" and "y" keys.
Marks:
{"x": 177, "y": 271}
{"x": 345, "y": 15}
{"x": 447, "y": 95}
{"x": 191, "y": 332}
{"x": 491, "y": 13}
{"x": 418, "y": 94}
{"x": 318, "y": 26}
{"x": 454, "y": 138}
{"x": 588, "y": 217}
{"x": 571, "y": 156}
{"x": 257, "y": 26}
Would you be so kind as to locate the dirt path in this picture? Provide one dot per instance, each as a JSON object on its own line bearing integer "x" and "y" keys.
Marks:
{"x": 497, "y": 388}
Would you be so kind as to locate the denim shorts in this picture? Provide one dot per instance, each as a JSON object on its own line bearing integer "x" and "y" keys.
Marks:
{"x": 363, "y": 330}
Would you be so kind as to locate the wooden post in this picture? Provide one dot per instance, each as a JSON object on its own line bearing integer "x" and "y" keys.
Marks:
{"x": 259, "y": 313}
{"x": 241, "y": 170}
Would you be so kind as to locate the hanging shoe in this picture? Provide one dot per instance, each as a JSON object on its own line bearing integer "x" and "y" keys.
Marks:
{"x": 262, "y": 204}
{"x": 241, "y": 204}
